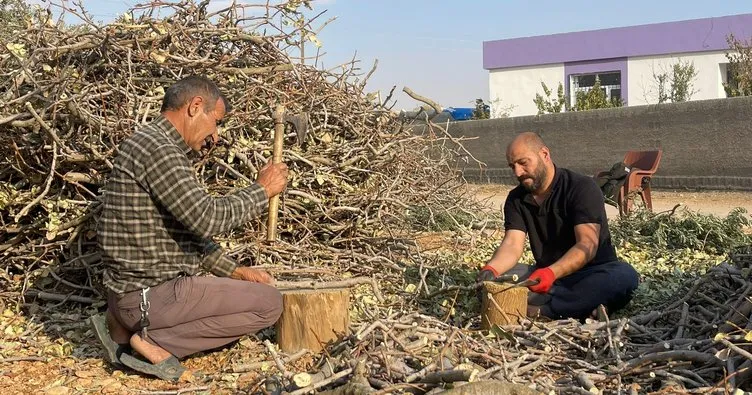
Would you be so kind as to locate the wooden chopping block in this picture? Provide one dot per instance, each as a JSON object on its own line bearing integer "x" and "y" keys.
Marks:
{"x": 509, "y": 307}
{"x": 311, "y": 318}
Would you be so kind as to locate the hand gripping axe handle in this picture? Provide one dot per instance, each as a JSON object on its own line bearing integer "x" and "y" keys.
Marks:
{"x": 300, "y": 123}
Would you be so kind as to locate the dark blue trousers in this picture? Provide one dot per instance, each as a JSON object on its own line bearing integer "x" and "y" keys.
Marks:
{"x": 578, "y": 294}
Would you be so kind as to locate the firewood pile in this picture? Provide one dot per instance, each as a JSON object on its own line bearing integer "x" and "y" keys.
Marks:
{"x": 362, "y": 185}
{"x": 696, "y": 344}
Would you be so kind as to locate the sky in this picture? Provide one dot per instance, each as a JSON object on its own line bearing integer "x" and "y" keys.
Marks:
{"x": 435, "y": 46}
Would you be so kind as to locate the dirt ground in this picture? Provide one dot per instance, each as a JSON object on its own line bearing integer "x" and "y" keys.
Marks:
{"x": 68, "y": 360}
{"x": 718, "y": 203}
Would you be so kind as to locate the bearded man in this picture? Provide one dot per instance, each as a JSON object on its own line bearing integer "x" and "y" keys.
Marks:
{"x": 564, "y": 216}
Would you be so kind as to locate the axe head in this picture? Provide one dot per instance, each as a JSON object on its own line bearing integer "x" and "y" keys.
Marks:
{"x": 300, "y": 123}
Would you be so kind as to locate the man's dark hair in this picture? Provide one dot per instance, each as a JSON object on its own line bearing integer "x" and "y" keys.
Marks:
{"x": 181, "y": 92}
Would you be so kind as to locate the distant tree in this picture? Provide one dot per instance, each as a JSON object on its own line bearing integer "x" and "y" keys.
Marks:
{"x": 13, "y": 14}
{"x": 676, "y": 87}
{"x": 493, "y": 109}
{"x": 549, "y": 105}
{"x": 500, "y": 111}
{"x": 595, "y": 98}
{"x": 482, "y": 109}
{"x": 739, "y": 67}
{"x": 682, "y": 82}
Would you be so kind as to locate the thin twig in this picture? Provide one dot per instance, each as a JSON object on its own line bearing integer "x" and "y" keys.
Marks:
{"x": 314, "y": 386}
{"x": 177, "y": 392}
{"x": 47, "y": 185}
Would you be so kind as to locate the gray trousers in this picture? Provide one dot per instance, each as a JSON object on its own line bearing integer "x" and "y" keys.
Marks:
{"x": 192, "y": 314}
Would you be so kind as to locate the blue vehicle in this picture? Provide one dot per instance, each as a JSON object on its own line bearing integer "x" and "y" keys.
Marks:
{"x": 460, "y": 114}
{"x": 450, "y": 114}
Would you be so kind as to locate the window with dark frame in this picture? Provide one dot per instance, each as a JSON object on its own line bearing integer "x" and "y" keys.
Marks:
{"x": 610, "y": 84}
{"x": 728, "y": 78}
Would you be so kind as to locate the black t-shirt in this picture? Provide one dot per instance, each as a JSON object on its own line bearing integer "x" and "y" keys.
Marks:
{"x": 574, "y": 199}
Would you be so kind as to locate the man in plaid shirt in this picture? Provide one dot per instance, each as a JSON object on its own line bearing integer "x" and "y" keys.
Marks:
{"x": 155, "y": 235}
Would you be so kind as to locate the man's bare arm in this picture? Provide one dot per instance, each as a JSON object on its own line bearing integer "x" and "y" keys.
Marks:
{"x": 581, "y": 253}
{"x": 509, "y": 252}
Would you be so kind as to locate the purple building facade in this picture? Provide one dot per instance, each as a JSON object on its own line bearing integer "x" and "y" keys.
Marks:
{"x": 627, "y": 61}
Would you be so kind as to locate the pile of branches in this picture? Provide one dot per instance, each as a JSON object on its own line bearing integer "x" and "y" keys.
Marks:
{"x": 696, "y": 341}
{"x": 361, "y": 184}
{"x": 680, "y": 228}
{"x": 70, "y": 94}
{"x": 699, "y": 343}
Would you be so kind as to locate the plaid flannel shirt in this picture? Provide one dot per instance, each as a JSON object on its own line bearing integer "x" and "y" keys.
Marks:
{"x": 157, "y": 219}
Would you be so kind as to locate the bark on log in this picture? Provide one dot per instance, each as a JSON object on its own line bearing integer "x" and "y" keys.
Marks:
{"x": 738, "y": 318}
{"x": 312, "y": 318}
{"x": 509, "y": 306}
{"x": 450, "y": 376}
{"x": 492, "y": 388}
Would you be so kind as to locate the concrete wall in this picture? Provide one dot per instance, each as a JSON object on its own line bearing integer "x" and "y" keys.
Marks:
{"x": 710, "y": 67}
{"x": 517, "y": 87}
{"x": 706, "y": 144}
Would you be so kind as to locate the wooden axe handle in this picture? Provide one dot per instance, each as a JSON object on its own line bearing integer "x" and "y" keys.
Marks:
{"x": 279, "y": 134}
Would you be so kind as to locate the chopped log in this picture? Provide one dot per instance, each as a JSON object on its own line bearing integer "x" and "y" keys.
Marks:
{"x": 492, "y": 388}
{"x": 312, "y": 318}
{"x": 450, "y": 376}
{"x": 507, "y": 306}
{"x": 738, "y": 317}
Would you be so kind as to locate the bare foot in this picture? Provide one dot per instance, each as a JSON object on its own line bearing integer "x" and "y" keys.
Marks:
{"x": 153, "y": 353}
{"x": 118, "y": 333}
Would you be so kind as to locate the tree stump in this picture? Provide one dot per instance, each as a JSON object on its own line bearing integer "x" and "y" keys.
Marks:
{"x": 509, "y": 307}
{"x": 312, "y": 318}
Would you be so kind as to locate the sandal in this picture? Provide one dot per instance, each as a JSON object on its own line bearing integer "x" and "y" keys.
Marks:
{"x": 112, "y": 351}
{"x": 169, "y": 370}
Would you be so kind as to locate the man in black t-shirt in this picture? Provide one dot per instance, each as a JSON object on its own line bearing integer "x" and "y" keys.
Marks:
{"x": 564, "y": 216}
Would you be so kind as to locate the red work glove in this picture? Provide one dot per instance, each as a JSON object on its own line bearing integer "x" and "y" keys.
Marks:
{"x": 546, "y": 277}
{"x": 487, "y": 273}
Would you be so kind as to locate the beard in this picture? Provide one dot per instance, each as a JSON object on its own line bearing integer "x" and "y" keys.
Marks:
{"x": 537, "y": 178}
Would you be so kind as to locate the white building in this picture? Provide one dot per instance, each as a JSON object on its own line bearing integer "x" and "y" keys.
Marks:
{"x": 625, "y": 59}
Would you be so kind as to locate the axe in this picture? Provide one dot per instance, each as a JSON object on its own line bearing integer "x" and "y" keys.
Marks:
{"x": 510, "y": 278}
{"x": 300, "y": 123}
{"x": 523, "y": 283}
